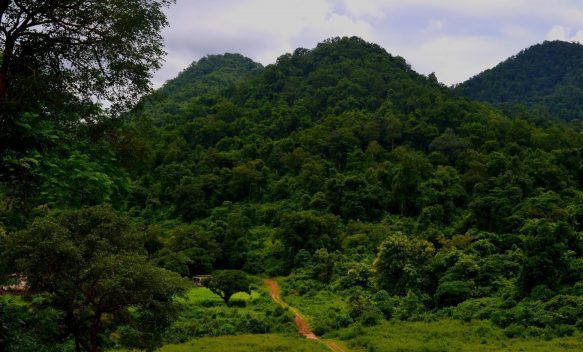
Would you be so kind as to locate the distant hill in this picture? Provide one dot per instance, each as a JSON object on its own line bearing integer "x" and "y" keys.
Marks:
{"x": 548, "y": 75}
{"x": 210, "y": 74}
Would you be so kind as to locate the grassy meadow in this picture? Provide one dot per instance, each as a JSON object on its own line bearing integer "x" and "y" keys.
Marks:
{"x": 248, "y": 343}
{"x": 446, "y": 335}
{"x": 253, "y": 323}
{"x": 204, "y": 314}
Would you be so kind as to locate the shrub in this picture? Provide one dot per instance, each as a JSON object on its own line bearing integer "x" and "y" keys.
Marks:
{"x": 329, "y": 320}
{"x": 451, "y": 293}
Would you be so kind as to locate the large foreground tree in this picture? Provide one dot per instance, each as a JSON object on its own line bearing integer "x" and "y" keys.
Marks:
{"x": 88, "y": 48}
{"x": 92, "y": 268}
{"x": 58, "y": 60}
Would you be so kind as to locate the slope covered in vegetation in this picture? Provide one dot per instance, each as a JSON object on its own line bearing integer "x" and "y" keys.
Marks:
{"x": 378, "y": 192}
{"x": 548, "y": 75}
{"x": 343, "y": 166}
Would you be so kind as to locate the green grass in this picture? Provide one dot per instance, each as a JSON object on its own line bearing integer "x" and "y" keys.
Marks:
{"x": 203, "y": 296}
{"x": 324, "y": 310}
{"x": 248, "y": 343}
{"x": 14, "y": 300}
{"x": 204, "y": 314}
{"x": 445, "y": 336}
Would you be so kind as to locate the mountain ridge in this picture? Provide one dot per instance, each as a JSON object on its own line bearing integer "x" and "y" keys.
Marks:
{"x": 548, "y": 75}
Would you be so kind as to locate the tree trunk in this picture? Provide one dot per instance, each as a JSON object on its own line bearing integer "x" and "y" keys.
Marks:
{"x": 3, "y": 87}
{"x": 94, "y": 341}
{"x": 227, "y": 297}
{"x": 77, "y": 342}
{"x": 7, "y": 53}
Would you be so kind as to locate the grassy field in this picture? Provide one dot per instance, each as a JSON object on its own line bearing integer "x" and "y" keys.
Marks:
{"x": 248, "y": 343}
{"x": 326, "y": 311}
{"x": 204, "y": 296}
{"x": 445, "y": 336}
{"x": 204, "y": 314}
{"x": 208, "y": 325}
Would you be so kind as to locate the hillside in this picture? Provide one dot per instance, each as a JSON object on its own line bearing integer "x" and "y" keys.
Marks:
{"x": 210, "y": 74}
{"x": 547, "y": 75}
{"x": 376, "y": 196}
{"x": 343, "y": 146}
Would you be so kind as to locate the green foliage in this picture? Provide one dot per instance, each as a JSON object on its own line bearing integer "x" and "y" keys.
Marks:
{"x": 91, "y": 264}
{"x": 452, "y": 292}
{"x": 533, "y": 78}
{"x": 249, "y": 343}
{"x": 448, "y": 335}
{"x": 347, "y": 169}
{"x": 26, "y": 327}
{"x": 401, "y": 263}
{"x": 83, "y": 56}
{"x": 225, "y": 283}
{"x": 551, "y": 255}
{"x": 202, "y": 313}
{"x": 308, "y": 231}
{"x": 382, "y": 193}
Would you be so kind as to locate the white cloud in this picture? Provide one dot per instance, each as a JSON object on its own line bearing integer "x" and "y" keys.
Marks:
{"x": 566, "y": 34}
{"x": 365, "y": 8}
{"x": 455, "y": 59}
{"x": 259, "y": 29}
{"x": 567, "y": 10}
{"x": 436, "y": 25}
{"x": 454, "y": 38}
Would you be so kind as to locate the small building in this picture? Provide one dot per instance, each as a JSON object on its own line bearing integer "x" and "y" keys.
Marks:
{"x": 199, "y": 280}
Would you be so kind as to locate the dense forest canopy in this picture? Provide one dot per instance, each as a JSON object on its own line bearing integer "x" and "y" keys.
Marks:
{"x": 339, "y": 166}
{"x": 337, "y": 148}
{"x": 547, "y": 76}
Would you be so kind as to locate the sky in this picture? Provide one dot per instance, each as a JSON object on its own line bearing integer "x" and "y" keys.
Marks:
{"x": 456, "y": 39}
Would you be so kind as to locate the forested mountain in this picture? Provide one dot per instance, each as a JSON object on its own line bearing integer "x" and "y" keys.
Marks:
{"x": 344, "y": 152}
{"x": 209, "y": 75}
{"x": 364, "y": 181}
{"x": 547, "y": 76}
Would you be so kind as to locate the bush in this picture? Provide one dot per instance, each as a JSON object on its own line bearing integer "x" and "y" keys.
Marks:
{"x": 514, "y": 330}
{"x": 237, "y": 303}
{"x": 565, "y": 309}
{"x": 370, "y": 317}
{"x": 410, "y": 307}
{"x": 329, "y": 320}
{"x": 227, "y": 329}
{"x": 385, "y": 303}
{"x": 451, "y": 293}
{"x": 361, "y": 308}
{"x": 479, "y": 308}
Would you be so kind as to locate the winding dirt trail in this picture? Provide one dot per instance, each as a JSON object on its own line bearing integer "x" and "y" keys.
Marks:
{"x": 300, "y": 321}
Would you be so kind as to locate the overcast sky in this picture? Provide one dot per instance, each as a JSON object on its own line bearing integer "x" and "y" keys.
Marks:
{"x": 456, "y": 39}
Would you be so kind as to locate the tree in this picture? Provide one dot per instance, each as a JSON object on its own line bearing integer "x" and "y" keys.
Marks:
{"x": 323, "y": 264}
{"x": 393, "y": 130}
{"x": 307, "y": 230}
{"x": 226, "y": 283}
{"x": 57, "y": 59}
{"x": 401, "y": 262}
{"x": 552, "y": 252}
{"x": 101, "y": 49}
{"x": 93, "y": 267}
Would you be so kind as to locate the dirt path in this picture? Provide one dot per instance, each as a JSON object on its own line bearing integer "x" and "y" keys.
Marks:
{"x": 300, "y": 321}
